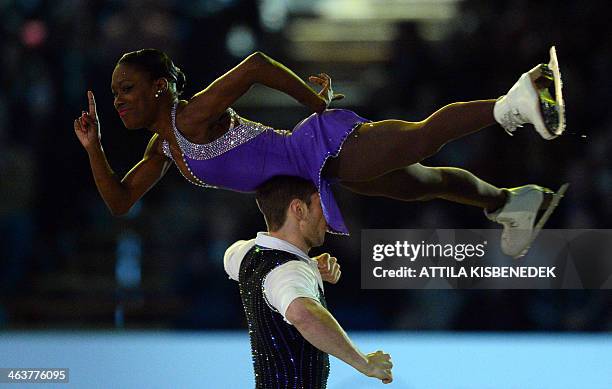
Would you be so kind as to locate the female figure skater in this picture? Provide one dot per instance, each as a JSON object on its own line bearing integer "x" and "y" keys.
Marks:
{"x": 214, "y": 147}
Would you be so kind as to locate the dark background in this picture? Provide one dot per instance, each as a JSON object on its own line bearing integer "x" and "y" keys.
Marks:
{"x": 65, "y": 262}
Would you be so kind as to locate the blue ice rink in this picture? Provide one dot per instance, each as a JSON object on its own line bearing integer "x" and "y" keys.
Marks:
{"x": 132, "y": 360}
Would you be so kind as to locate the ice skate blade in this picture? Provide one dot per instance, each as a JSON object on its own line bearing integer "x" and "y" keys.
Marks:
{"x": 554, "y": 202}
{"x": 552, "y": 107}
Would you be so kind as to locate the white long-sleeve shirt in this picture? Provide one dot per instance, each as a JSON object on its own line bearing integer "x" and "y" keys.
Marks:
{"x": 284, "y": 283}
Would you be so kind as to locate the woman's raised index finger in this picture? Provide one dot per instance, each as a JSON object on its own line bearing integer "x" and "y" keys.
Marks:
{"x": 92, "y": 103}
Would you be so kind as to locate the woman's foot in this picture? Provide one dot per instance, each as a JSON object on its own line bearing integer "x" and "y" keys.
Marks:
{"x": 531, "y": 101}
{"x": 519, "y": 216}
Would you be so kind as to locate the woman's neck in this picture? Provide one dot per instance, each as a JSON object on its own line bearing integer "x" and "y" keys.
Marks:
{"x": 163, "y": 123}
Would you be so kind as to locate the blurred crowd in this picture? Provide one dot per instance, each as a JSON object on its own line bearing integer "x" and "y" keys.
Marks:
{"x": 59, "y": 243}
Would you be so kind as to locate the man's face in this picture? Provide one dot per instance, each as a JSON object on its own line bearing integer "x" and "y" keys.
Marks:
{"x": 315, "y": 224}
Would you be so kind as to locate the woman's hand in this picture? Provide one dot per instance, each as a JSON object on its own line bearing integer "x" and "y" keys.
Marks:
{"x": 326, "y": 92}
{"x": 87, "y": 126}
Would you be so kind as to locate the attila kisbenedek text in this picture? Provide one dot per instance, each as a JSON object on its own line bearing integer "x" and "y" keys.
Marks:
{"x": 457, "y": 252}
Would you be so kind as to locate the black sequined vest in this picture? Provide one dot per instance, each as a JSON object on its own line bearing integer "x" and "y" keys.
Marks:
{"x": 282, "y": 358}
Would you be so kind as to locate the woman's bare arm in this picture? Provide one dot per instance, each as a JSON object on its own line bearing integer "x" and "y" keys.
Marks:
{"x": 209, "y": 104}
{"x": 119, "y": 195}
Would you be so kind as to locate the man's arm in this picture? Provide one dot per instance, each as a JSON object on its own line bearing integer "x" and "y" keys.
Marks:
{"x": 320, "y": 328}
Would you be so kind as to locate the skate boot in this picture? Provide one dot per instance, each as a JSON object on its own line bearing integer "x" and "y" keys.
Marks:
{"x": 530, "y": 101}
{"x": 519, "y": 216}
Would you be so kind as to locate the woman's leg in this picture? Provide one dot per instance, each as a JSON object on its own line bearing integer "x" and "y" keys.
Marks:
{"x": 380, "y": 147}
{"x": 420, "y": 183}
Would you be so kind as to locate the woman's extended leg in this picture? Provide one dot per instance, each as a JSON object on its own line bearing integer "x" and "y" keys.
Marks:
{"x": 380, "y": 147}
{"x": 420, "y": 183}
{"x": 515, "y": 208}
{"x": 382, "y": 158}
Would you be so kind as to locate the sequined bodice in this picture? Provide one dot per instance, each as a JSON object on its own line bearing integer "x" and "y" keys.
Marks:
{"x": 282, "y": 358}
{"x": 240, "y": 131}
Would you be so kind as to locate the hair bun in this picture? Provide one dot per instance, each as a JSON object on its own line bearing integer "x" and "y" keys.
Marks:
{"x": 181, "y": 80}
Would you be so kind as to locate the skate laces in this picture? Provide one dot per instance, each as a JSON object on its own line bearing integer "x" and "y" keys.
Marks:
{"x": 511, "y": 120}
{"x": 508, "y": 222}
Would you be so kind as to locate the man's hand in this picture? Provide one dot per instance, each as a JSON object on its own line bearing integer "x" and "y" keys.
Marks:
{"x": 379, "y": 366}
{"x": 329, "y": 268}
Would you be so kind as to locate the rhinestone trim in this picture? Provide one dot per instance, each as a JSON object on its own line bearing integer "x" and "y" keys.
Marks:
{"x": 334, "y": 155}
{"x": 234, "y": 137}
{"x": 197, "y": 181}
{"x": 166, "y": 149}
{"x": 194, "y": 180}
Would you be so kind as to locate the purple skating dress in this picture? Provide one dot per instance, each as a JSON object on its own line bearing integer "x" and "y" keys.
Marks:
{"x": 250, "y": 153}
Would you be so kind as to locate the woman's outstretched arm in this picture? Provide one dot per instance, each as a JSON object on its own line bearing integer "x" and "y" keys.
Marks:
{"x": 258, "y": 68}
{"x": 275, "y": 75}
{"x": 119, "y": 195}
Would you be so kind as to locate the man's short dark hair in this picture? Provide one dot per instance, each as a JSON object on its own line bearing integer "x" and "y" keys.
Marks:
{"x": 275, "y": 195}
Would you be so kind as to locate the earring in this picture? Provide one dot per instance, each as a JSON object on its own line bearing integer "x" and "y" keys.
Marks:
{"x": 158, "y": 93}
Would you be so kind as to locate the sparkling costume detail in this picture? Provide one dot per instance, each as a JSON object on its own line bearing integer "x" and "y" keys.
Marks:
{"x": 235, "y": 136}
{"x": 282, "y": 358}
{"x": 250, "y": 153}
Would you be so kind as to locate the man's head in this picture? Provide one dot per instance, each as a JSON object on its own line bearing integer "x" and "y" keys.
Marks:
{"x": 292, "y": 204}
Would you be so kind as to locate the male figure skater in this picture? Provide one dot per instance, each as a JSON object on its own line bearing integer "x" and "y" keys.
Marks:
{"x": 282, "y": 292}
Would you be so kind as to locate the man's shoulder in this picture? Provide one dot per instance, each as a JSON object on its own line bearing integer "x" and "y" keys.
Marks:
{"x": 278, "y": 253}
{"x": 268, "y": 259}
{"x": 234, "y": 255}
{"x": 265, "y": 262}
{"x": 265, "y": 249}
